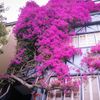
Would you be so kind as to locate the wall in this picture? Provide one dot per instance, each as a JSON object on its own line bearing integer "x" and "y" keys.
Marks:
{"x": 9, "y": 51}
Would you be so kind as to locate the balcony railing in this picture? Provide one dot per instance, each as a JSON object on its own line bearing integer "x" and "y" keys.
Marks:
{"x": 88, "y": 90}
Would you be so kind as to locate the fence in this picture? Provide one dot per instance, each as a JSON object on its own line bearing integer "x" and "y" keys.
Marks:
{"x": 88, "y": 90}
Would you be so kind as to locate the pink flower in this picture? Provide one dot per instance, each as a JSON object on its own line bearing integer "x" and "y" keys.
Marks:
{"x": 92, "y": 59}
{"x": 48, "y": 31}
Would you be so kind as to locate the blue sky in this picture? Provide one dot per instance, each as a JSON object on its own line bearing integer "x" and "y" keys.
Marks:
{"x": 14, "y": 7}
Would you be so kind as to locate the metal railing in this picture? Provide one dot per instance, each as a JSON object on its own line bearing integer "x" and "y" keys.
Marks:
{"x": 88, "y": 90}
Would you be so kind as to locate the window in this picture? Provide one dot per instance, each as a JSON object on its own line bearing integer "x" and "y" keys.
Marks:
{"x": 97, "y": 36}
{"x": 82, "y": 40}
{"x": 90, "y": 39}
{"x": 76, "y": 41}
{"x": 80, "y": 30}
{"x": 86, "y": 40}
{"x": 96, "y": 1}
{"x": 92, "y": 28}
{"x": 95, "y": 16}
{"x": 88, "y": 29}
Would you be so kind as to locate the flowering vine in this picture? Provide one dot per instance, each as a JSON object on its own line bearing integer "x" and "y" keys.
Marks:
{"x": 44, "y": 37}
{"x": 49, "y": 30}
{"x": 92, "y": 59}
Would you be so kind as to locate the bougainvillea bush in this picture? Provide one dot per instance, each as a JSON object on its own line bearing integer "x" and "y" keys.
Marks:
{"x": 68, "y": 87}
{"x": 92, "y": 59}
{"x": 45, "y": 35}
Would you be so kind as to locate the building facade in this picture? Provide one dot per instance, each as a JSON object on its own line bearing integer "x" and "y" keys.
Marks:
{"x": 9, "y": 49}
{"x": 88, "y": 35}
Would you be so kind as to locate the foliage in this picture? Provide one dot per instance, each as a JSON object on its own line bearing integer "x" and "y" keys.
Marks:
{"x": 3, "y": 31}
{"x": 1, "y": 11}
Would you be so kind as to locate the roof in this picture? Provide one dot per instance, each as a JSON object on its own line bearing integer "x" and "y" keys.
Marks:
{"x": 10, "y": 23}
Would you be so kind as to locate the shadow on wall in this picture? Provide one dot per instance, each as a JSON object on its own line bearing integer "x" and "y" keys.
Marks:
{"x": 9, "y": 53}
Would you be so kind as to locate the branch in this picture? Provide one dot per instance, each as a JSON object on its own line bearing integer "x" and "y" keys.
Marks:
{"x": 25, "y": 83}
{"x": 5, "y": 92}
{"x": 77, "y": 66}
{"x": 22, "y": 82}
{"x": 30, "y": 86}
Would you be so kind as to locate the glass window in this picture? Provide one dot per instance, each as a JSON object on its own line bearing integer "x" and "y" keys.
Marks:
{"x": 96, "y": 1}
{"x": 98, "y": 27}
{"x": 97, "y": 35}
{"x": 86, "y": 40}
{"x": 82, "y": 40}
{"x": 80, "y": 30}
{"x": 92, "y": 28}
{"x": 90, "y": 39}
{"x": 95, "y": 17}
{"x": 87, "y": 29}
{"x": 75, "y": 41}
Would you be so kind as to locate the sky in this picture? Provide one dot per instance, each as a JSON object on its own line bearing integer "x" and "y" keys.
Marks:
{"x": 14, "y": 8}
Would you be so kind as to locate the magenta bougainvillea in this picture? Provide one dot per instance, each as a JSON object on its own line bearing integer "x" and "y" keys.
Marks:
{"x": 49, "y": 29}
{"x": 69, "y": 86}
{"x": 92, "y": 59}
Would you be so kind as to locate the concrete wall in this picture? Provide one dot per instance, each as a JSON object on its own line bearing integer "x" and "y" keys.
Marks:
{"x": 9, "y": 51}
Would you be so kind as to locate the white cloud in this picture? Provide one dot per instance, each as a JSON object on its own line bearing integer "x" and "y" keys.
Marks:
{"x": 41, "y": 2}
{"x": 14, "y": 8}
